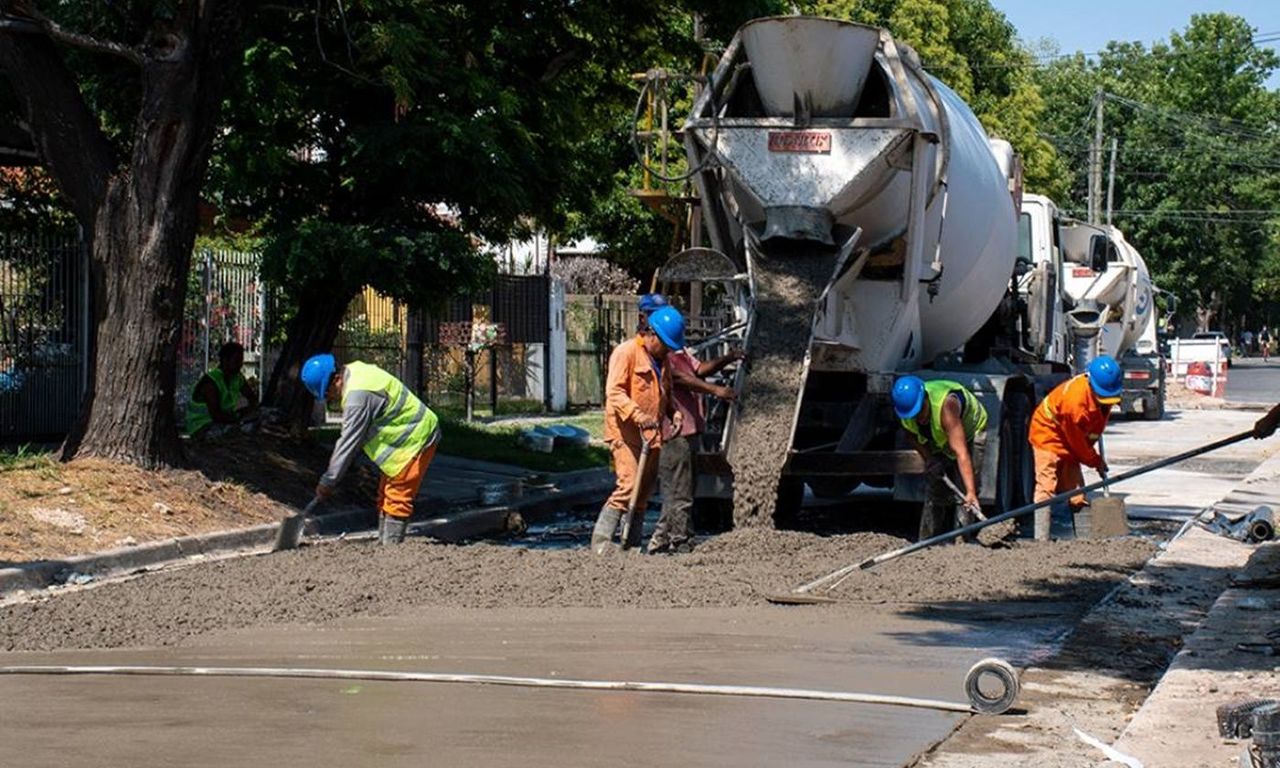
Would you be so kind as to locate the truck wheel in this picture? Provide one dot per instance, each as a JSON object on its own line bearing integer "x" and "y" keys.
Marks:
{"x": 1015, "y": 472}
{"x": 1156, "y": 411}
{"x": 790, "y": 499}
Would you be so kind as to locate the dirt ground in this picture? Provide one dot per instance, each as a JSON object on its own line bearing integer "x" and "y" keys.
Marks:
{"x": 49, "y": 509}
{"x": 335, "y": 580}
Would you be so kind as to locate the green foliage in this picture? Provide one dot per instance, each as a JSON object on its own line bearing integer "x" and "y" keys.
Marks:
{"x": 1196, "y": 176}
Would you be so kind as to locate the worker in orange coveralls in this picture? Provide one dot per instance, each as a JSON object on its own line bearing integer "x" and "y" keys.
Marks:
{"x": 637, "y": 396}
{"x": 1064, "y": 429}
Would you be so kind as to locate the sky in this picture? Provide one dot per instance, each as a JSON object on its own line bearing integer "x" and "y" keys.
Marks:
{"x": 1088, "y": 25}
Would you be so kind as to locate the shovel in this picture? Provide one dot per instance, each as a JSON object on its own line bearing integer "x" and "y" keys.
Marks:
{"x": 805, "y": 593}
{"x": 290, "y": 535}
{"x": 1106, "y": 516}
{"x": 635, "y": 517}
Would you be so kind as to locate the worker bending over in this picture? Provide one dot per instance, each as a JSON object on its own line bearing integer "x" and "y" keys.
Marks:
{"x": 1064, "y": 429}
{"x": 398, "y": 432}
{"x": 211, "y": 411}
{"x": 637, "y": 396}
{"x": 674, "y": 531}
{"x": 948, "y": 426}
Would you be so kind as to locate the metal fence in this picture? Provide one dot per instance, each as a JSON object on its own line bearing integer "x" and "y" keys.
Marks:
{"x": 43, "y": 334}
{"x": 226, "y": 301}
{"x": 594, "y": 325}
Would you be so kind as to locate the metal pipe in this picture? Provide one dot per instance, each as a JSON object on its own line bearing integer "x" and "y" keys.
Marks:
{"x": 749, "y": 691}
{"x": 1020, "y": 511}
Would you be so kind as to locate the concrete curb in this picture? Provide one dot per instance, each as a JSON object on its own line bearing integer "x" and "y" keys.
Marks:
{"x": 571, "y": 488}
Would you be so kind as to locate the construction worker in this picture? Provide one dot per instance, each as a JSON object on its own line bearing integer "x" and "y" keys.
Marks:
{"x": 648, "y": 304}
{"x": 1064, "y": 429}
{"x": 949, "y": 426}
{"x": 637, "y": 396}
{"x": 674, "y": 531}
{"x": 211, "y": 411}
{"x": 398, "y": 432}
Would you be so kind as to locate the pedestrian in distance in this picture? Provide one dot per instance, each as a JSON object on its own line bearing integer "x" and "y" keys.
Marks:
{"x": 214, "y": 409}
{"x": 637, "y": 397}
{"x": 397, "y": 431}
{"x": 947, "y": 425}
{"x": 674, "y": 532}
{"x": 1065, "y": 427}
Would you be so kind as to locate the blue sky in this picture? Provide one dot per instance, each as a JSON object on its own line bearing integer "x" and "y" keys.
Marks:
{"x": 1087, "y": 25}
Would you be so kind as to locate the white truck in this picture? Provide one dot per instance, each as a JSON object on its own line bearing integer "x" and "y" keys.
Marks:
{"x": 817, "y": 136}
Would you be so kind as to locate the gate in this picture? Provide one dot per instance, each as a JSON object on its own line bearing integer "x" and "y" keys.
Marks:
{"x": 43, "y": 334}
{"x": 226, "y": 302}
{"x": 594, "y": 325}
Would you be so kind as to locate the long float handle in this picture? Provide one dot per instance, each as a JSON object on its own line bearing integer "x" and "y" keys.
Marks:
{"x": 1018, "y": 512}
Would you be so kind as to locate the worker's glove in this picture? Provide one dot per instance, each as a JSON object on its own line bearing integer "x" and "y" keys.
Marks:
{"x": 1266, "y": 426}
{"x": 323, "y": 491}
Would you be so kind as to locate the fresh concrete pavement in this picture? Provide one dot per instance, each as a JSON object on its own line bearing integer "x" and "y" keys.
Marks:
{"x": 47, "y": 721}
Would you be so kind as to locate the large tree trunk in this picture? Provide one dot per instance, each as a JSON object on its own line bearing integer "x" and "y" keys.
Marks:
{"x": 311, "y": 331}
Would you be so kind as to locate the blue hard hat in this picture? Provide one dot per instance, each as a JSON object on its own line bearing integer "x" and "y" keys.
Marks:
{"x": 652, "y": 302}
{"x": 1105, "y": 377}
{"x": 668, "y": 323}
{"x": 908, "y": 397}
{"x": 316, "y": 373}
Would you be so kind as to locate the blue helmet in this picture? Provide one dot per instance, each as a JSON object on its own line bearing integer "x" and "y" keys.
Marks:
{"x": 316, "y": 373}
{"x": 908, "y": 397}
{"x": 652, "y": 302}
{"x": 668, "y": 323}
{"x": 1105, "y": 378}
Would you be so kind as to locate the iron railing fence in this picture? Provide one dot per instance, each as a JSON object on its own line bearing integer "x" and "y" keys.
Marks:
{"x": 44, "y": 333}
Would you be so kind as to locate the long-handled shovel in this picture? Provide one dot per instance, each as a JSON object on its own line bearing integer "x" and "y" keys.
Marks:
{"x": 290, "y": 535}
{"x": 808, "y": 593}
{"x": 635, "y": 517}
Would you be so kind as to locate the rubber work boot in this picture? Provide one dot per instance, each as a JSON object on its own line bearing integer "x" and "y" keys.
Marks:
{"x": 391, "y": 530}
{"x": 606, "y": 524}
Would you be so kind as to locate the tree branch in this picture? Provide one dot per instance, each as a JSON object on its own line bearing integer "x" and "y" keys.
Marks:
{"x": 63, "y": 129}
{"x": 36, "y": 23}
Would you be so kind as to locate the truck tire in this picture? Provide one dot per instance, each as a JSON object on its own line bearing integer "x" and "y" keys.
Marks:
{"x": 1156, "y": 413}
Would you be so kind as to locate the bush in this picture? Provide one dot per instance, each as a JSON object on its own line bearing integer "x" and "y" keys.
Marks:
{"x": 592, "y": 274}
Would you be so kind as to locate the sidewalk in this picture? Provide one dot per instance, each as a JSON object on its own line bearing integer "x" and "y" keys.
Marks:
{"x": 1147, "y": 667}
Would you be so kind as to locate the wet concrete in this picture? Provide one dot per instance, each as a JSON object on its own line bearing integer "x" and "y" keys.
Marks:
{"x": 220, "y": 722}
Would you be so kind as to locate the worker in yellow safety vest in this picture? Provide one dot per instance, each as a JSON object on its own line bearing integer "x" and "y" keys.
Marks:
{"x": 949, "y": 428}
{"x": 212, "y": 409}
{"x": 398, "y": 432}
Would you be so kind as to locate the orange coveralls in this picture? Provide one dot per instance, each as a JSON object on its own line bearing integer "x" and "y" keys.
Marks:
{"x": 1064, "y": 429}
{"x": 634, "y": 393}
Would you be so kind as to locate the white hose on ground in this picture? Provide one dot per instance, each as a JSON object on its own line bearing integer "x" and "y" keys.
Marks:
{"x": 525, "y": 682}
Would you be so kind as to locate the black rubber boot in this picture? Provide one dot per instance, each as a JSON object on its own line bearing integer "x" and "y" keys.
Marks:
{"x": 606, "y": 524}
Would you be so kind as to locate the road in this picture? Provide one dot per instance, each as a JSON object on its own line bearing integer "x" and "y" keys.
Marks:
{"x": 903, "y": 650}
{"x": 1252, "y": 381}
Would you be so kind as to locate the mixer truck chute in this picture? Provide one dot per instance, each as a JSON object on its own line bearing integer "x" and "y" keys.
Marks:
{"x": 872, "y": 232}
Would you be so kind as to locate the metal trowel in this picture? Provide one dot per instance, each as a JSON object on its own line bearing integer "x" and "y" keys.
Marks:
{"x": 291, "y": 528}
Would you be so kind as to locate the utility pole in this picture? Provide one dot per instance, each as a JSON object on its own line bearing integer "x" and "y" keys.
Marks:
{"x": 1111, "y": 178}
{"x": 1095, "y": 163}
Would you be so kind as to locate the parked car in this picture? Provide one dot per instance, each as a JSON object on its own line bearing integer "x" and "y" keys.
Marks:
{"x": 1222, "y": 341}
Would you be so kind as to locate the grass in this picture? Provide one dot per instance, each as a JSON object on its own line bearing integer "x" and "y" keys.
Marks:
{"x": 24, "y": 457}
{"x": 498, "y": 443}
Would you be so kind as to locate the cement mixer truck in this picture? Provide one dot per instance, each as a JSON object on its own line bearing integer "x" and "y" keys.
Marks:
{"x": 861, "y": 226}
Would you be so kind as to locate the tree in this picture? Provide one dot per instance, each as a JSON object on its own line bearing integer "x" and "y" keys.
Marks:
{"x": 384, "y": 144}
{"x": 132, "y": 184}
{"x": 1197, "y": 173}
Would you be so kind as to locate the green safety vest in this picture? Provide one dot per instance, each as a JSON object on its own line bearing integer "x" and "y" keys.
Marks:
{"x": 973, "y": 416}
{"x": 404, "y": 426}
{"x": 198, "y": 416}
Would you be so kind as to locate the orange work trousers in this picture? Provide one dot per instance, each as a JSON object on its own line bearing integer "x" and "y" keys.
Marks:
{"x": 1056, "y": 474}
{"x": 396, "y": 494}
{"x": 626, "y": 460}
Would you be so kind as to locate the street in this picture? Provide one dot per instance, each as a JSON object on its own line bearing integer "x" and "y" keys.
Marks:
{"x": 1250, "y": 380}
{"x": 884, "y": 648}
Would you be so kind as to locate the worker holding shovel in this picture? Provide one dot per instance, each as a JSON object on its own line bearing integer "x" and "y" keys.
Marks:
{"x": 949, "y": 427}
{"x": 637, "y": 396}
{"x": 1065, "y": 427}
{"x": 397, "y": 431}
